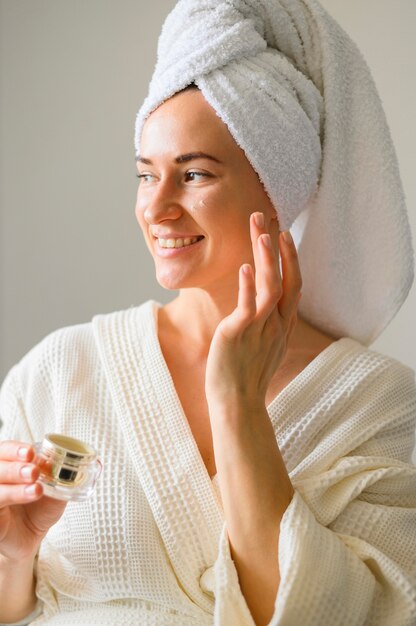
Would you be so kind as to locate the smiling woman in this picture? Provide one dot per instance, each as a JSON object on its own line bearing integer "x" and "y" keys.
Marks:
{"x": 256, "y": 450}
{"x": 191, "y": 158}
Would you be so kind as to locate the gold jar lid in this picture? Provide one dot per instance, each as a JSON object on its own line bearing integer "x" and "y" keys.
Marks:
{"x": 70, "y": 451}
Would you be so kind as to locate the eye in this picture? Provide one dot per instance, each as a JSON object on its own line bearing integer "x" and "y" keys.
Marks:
{"x": 189, "y": 176}
{"x": 193, "y": 175}
{"x": 144, "y": 177}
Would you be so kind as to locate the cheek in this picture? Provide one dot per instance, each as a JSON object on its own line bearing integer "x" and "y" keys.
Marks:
{"x": 139, "y": 210}
{"x": 214, "y": 205}
{"x": 226, "y": 218}
{"x": 206, "y": 204}
{"x": 227, "y": 213}
{"x": 139, "y": 213}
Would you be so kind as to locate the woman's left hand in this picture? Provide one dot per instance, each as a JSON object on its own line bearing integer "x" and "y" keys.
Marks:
{"x": 250, "y": 343}
{"x": 247, "y": 347}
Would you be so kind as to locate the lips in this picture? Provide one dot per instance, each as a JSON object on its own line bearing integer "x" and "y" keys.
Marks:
{"x": 172, "y": 247}
{"x": 177, "y": 242}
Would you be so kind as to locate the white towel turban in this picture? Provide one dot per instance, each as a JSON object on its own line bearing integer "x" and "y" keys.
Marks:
{"x": 299, "y": 99}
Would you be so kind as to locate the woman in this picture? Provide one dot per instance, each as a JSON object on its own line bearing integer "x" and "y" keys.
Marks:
{"x": 256, "y": 465}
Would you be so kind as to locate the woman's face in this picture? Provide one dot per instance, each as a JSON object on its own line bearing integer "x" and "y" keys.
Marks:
{"x": 183, "y": 194}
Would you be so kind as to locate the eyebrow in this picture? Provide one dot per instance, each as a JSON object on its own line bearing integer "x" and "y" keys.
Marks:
{"x": 183, "y": 158}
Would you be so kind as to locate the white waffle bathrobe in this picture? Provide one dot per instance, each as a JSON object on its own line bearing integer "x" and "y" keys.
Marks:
{"x": 150, "y": 548}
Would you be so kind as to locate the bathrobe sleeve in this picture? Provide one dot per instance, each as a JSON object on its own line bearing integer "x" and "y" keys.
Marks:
{"x": 347, "y": 544}
{"x": 13, "y": 421}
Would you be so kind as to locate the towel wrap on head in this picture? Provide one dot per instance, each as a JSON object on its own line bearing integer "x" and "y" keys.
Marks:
{"x": 298, "y": 98}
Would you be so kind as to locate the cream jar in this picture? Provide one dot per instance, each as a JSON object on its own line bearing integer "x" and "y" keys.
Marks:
{"x": 68, "y": 467}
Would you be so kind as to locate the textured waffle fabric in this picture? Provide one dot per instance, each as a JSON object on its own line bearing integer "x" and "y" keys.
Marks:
{"x": 150, "y": 547}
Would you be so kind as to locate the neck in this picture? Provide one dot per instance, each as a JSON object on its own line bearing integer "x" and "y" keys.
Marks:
{"x": 192, "y": 318}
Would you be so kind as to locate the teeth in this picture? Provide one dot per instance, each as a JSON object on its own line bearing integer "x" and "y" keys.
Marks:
{"x": 177, "y": 243}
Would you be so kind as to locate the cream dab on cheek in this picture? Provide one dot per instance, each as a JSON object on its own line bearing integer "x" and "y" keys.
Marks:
{"x": 200, "y": 204}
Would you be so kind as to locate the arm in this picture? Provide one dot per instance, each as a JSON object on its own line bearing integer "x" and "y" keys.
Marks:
{"x": 256, "y": 491}
{"x": 25, "y": 515}
{"x": 17, "y": 589}
{"x": 247, "y": 348}
{"x": 347, "y": 539}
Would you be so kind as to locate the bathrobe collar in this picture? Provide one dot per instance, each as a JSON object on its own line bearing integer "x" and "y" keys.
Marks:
{"x": 160, "y": 443}
{"x": 163, "y": 449}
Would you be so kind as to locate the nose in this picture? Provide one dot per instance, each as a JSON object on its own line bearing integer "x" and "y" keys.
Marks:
{"x": 159, "y": 204}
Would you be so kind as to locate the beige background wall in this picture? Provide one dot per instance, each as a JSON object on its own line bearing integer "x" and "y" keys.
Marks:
{"x": 72, "y": 77}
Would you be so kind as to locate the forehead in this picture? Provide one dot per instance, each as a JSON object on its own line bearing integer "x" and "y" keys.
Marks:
{"x": 181, "y": 123}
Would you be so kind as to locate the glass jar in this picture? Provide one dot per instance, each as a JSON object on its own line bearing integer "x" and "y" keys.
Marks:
{"x": 68, "y": 467}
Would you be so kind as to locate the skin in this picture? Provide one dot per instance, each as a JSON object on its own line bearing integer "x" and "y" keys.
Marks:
{"x": 234, "y": 322}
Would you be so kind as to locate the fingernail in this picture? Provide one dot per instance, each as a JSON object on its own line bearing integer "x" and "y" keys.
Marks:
{"x": 26, "y": 471}
{"x": 267, "y": 240}
{"x": 259, "y": 219}
{"x": 287, "y": 236}
{"x": 30, "y": 490}
{"x": 23, "y": 452}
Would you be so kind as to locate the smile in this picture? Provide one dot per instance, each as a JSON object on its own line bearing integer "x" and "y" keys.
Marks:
{"x": 178, "y": 243}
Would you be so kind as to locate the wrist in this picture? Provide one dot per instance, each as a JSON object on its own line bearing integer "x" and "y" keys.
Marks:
{"x": 235, "y": 407}
{"x": 17, "y": 588}
{"x": 17, "y": 563}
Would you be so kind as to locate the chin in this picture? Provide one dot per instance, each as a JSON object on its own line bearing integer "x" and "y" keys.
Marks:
{"x": 173, "y": 283}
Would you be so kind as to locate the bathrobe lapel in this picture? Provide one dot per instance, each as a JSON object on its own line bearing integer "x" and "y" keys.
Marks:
{"x": 158, "y": 437}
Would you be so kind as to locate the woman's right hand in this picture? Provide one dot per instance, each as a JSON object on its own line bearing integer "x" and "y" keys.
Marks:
{"x": 25, "y": 513}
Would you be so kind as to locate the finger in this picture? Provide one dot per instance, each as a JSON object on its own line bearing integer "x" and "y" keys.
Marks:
{"x": 16, "y": 450}
{"x": 268, "y": 279}
{"x": 245, "y": 310}
{"x": 257, "y": 228}
{"x": 292, "y": 278}
{"x": 246, "y": 294}
{"x": 267, "y": 273}
{"x": 13, "y": 472}
{"x": 292, "y": 323}
{"x": 19, "y": 494}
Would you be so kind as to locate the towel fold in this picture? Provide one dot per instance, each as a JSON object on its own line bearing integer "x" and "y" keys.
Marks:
{"x": 299, "y": 99}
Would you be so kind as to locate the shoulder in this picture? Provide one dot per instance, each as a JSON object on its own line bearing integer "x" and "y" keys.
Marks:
{"x": 350, "y": 400}
{"x": 35, "y": 378}
{"x": 356, "y": 360}
{"x": 364, "y": 363}
{"x": 65, "y": 352}
{"x": 57, "y": 378}
{"x": 32, "y": 386}
{"x": 376, "y": 395}
{"x": 63, "y": 343}
{"x": 360, "y": 376}
{"x": 346, "y": 363}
